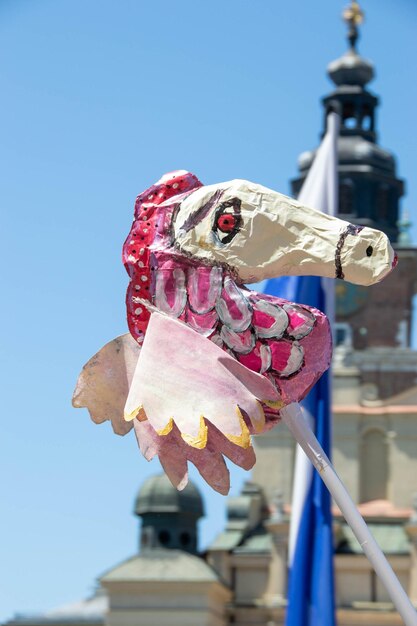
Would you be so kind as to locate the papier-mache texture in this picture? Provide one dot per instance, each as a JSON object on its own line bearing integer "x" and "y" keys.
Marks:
{"x": 208, "y": 362}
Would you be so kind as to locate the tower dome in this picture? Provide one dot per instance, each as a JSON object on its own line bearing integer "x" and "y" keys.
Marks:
{"x": 157, "y": 495}
{"x": 351, "y": 69}
{"x": 169, "y": 517}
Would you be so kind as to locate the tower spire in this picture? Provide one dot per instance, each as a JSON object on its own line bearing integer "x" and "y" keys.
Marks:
{"x": 351, "y": 68}
{"x": 353, "y": 16}
{"x": 369, "y": 190}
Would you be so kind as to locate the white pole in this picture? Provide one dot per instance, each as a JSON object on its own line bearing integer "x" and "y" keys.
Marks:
{"x": 294, "y": 419}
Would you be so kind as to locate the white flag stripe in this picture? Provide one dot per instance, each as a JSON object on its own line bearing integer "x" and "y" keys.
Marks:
{"x": 303, "y": 473}
{"x": 319, "y": 191}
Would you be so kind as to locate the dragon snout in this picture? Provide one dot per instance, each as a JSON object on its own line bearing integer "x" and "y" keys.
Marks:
{"x": 364, "y": 256}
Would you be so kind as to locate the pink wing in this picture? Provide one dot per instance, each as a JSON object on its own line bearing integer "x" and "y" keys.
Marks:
{"x": 104, "y": 382}
{"x": 189, "y": 400}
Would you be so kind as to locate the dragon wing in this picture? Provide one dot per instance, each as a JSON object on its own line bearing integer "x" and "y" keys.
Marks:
{"x": 104, "y": 382}
{"x": 187, "y": 399}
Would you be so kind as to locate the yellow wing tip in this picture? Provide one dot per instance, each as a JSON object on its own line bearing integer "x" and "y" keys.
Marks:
{"x": 166, "y": 429}
{"x": 137, "y": 413}
{"x": 200, "y": 441}
{"x": 274, "y": 404}
{"x": 243, "y": 440}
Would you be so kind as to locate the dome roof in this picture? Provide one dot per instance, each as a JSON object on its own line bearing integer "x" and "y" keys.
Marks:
{"x": 158, "y": 495}
{"x": 162, "y": 566}
{"x": 352, "y": 151}
{"x": 351, "y": 69}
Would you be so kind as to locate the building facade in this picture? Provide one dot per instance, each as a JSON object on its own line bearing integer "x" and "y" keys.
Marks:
{"x": 242, "y": 578}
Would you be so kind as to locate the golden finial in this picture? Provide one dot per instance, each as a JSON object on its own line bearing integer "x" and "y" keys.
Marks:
{"x": 353, "y": 16}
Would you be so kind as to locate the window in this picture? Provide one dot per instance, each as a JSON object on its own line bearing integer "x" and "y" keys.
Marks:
{"x": 342, "y": 335}
{"x": 350, "y": 122}
{"x": 164, "y": 537}
{"x": 382, "y": 202}
{"x": 346, "y": 196}
{"x": 185, "y": 539}
{"x": 367, "y": 122}
{"x": 374, "y": 466}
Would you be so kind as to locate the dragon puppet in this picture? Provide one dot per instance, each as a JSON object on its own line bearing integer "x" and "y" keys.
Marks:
{"x": 207, "y": 362}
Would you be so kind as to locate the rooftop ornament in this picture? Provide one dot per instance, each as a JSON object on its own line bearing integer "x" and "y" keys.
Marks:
{"x": 354, "y": 17}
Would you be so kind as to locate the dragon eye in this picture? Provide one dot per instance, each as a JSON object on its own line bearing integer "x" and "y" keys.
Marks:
{"x": 226, "y": 222}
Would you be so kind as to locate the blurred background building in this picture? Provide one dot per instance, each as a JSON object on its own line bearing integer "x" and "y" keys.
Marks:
{"x": 242, "y": 577}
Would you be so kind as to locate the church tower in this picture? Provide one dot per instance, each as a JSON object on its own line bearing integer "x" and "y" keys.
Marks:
{"x": 374, "y": 367}
{"x": 374, "y": 370}
{"x": 369, "y": 195}
{"x": 169, "y": 517}
{"x": 369, "y": 189}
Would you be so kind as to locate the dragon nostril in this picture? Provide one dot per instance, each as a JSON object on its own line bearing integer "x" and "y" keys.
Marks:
{"x": 369, "y": 251}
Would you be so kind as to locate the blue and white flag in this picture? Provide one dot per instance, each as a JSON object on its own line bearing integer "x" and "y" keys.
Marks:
{"x": 311, "y": 575}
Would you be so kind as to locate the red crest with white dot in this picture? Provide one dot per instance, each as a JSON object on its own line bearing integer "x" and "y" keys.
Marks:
{"x": 136, "y": 254}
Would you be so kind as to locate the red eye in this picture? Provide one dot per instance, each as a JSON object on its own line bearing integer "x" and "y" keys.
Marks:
{"x": 226, "y": 222}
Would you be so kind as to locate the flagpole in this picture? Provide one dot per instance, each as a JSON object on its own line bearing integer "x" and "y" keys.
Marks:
{"x": 294, "y": 419}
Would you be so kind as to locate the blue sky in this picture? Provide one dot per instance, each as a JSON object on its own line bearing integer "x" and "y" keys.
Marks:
{"x": 98, "y": 100}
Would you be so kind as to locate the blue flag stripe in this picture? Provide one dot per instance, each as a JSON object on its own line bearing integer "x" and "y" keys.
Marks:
{"x": 311, "y": 574}
{"x": 311, "y": 577}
